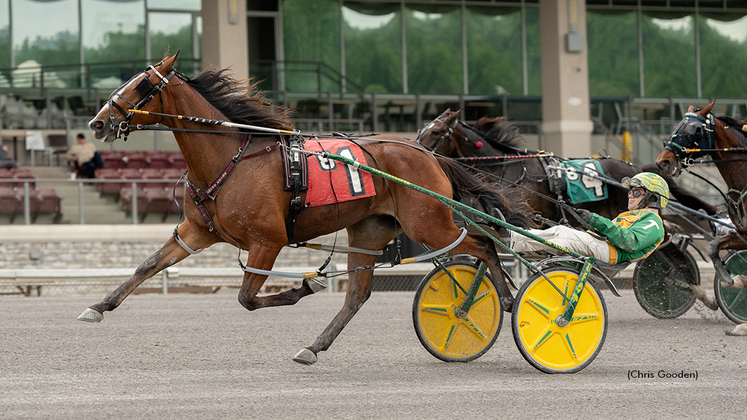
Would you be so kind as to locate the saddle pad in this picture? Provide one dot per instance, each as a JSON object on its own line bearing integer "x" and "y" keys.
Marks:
{"x": 331, "y": 181}
{"x": 582, "y": 188}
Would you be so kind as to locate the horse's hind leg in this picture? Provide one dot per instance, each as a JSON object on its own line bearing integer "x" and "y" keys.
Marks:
{"x": 169, "y": 254}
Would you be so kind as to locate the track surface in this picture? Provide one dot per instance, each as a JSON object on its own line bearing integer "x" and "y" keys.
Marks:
{"x": 204, "y": 356}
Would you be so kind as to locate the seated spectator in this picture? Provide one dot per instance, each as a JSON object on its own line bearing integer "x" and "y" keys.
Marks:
{"x": 84, "y": 156}
{"x": 5, "y": 160}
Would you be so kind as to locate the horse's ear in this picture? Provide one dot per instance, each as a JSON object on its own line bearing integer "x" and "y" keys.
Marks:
{"x": 168, "y": 62}
{"x": 707, "y": 110}
{"x": 456, "y": 113}
{"x": 691, "y": 108}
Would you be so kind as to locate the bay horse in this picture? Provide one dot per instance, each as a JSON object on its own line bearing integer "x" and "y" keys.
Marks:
{"x": 524, "y": 171}
{"x": 493, "y": 138}
{"x": 248, "y": 207}
{"x": 723, "y": 138}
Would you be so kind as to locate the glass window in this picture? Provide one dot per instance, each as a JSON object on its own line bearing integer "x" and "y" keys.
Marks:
{"x": 176, "y": 4}
{"x": 434, "y": 52}
{"x": 119, "y": 23}
{"x": 46, "y": 32}
{"x": 4, "y": 41}
{"x": 312, "y": 45}
{"x": 494, "y": 52}
{"x": 723, "y": 48}
{"x": 170, "y": 32}
{"x": 669, "y": 57}
{"x": 112, "y": 32}
{"x": 613, "y": 54}
{"x": 534, "y": 66}
{"x": 373, "y": 49}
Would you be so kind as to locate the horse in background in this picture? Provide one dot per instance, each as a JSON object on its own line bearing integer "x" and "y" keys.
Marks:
{"x": 237, "y": 192}
{"x": 724, "y": 139}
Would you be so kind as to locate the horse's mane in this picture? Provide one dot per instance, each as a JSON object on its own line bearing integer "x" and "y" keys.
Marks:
{"x": 500, "y": 133}
{"x": 240, "y": 103}
{"x": 737, "y": 125}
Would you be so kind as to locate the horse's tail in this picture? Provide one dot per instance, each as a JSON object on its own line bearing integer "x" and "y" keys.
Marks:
{"x": 686, "y": 197}
{"x": 464, "y": 182}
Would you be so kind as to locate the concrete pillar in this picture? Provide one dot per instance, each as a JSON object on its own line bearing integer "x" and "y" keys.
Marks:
{"x": 225, "y": 37}
{"x": 566, "y": 113}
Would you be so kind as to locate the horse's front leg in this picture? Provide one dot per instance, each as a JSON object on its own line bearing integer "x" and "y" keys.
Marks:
{"x": 359, "y": 290}
{"x": 264, "y": 259}
{"x": 729, "y": 241}
{"x": 169, "y": 254}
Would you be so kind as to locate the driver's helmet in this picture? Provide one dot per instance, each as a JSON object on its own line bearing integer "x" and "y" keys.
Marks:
{"x": 657, "y": 190}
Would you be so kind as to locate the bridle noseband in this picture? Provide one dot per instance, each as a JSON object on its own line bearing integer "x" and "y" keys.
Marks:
{"x": 693, "y": 132}
{"x": 147, "y": 92}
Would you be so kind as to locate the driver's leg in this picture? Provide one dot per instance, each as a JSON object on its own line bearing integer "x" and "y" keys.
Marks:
{"x": 577, "y": 241}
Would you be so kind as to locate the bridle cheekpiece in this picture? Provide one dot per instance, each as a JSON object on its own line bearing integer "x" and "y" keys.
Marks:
{"x": 146, "y": 90}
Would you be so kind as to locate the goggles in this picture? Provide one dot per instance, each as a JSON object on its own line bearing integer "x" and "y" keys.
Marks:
{"x": 636, "y": 193}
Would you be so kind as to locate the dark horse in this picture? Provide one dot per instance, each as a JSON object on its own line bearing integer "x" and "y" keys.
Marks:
{"x": 250, "y": 206}
{"x": 523, "y": 171}
{"x": 700, "y": 134}
{"x": 497, "y": 137}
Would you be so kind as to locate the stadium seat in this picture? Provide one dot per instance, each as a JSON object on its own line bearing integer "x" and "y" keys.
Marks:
{"x": 156, "y": 160}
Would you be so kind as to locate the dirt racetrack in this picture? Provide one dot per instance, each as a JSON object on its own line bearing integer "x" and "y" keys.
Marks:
{"x": 205, "y": 357}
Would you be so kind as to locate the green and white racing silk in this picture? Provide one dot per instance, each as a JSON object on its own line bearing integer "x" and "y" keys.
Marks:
{"x": 632, "y": 235}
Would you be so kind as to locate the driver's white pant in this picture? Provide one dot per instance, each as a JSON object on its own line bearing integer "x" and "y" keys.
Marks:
{"x": 577, "y": 241}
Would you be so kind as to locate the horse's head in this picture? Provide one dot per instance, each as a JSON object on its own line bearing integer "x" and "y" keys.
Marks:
{"x": 435, "y": 135}
{"x": 115, "y": 118}
{"x": 696, "y": 131}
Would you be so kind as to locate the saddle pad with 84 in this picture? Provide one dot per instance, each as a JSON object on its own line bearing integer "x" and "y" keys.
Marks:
{"x": 580, "y": 187}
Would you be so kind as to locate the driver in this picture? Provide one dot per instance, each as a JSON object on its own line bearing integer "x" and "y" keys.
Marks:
{"x": 631, "y": 236}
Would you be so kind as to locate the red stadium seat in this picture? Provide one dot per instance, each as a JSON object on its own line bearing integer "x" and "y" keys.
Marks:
{"x": 156, "y": 160}
{"x": 10, "y": 202}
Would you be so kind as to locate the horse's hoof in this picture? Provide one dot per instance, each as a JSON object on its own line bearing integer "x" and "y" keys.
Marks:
{"x": 305, "y": 357}
{"x": 507, "y": 304}
{"x": 91, "y": 315}
{"x": 710, "y": 303}
{"x": 726, "y": 281}
{"x": 738, "y": 282}
{"x": 739, "y": 330}
{"x": 315, "y": 285}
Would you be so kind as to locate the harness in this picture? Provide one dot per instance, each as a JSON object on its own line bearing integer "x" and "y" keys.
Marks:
{"x": 296, "y": 179}
{"x": 147, "y": 92}
{"x": 211, "y": 192}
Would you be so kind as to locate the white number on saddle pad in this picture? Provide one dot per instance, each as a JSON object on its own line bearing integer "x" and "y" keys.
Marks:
{"x": 355, "y": 183}
{"x": 590, "y": 183}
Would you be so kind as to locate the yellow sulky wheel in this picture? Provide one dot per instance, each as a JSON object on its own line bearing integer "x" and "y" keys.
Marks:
{"x": 445, "y": 335}
{"x": 547, "y": 346}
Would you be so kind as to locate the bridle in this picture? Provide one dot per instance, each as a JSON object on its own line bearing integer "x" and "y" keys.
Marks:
{"x": 693, "y": 132}
{"x": 449, "y": 131}
{"x": 146, "y": 90}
